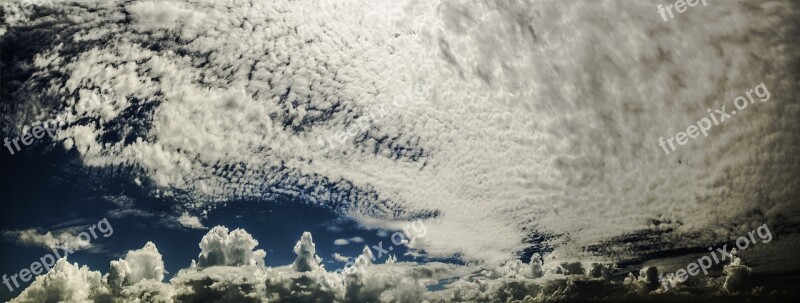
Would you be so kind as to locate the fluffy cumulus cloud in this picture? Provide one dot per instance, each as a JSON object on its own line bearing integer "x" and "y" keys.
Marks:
{"x": 65, "y": 283}
{"x": 502, "y": 124}
{"x": 138, "y": 265}
{"x": 138, "y": 278}
{"x": 223, "y": 248}
{"x": 307, "y": 260}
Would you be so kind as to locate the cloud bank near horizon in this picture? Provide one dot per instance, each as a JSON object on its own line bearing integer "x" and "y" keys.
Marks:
{"x": 230, "y": 269}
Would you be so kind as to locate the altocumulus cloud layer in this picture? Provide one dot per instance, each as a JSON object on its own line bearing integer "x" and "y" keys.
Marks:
{"x": 502, "y": 124}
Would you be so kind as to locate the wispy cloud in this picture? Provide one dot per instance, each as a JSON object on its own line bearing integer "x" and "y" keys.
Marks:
{"x": 48, "y": 240}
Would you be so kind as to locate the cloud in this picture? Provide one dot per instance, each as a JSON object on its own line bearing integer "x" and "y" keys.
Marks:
{"x": 35, "y": 237}
{"x": 501, "y": 125}
{"x": 190, "y": 221}
{"x": 65, "y": 283}
{"x": 333, "y": 228}
{"x": 340, "y": 258}
{"x": 138, "y": 278}
{"x": 356, "y": 240}
{"x": 306, "y": 260}
{"x": 148, "y": 291}
{"x": 222, "y": 248}
{"x": 138, "y": 265}
{"x": 736, "y": 274}
{"x": 244, "y": 283}
{"x": 340, "y": 242}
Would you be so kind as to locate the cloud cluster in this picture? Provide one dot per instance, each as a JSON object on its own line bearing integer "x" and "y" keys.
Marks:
{"x": 507, "y": 124}
{"x": 138, "y": 278}
{"x": 65, "y": 282}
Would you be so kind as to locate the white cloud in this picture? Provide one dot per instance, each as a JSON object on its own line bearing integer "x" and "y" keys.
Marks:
{"x": 34, "y": 237}
{"x": 736, "y": 274}
{"x": 222, "y": 248}
{"x": 244, "y": 283}
{"x": 190, "y": 221}
{"x": 148, "y": 291}
{"x": 138, "y": 265}
{"x": 307, "y": 259}
{"x": 513, "y": 119}
{"x": 65, "y": 283}
{"x": 340, "y": 258}
{"x": 340, "y": 242}
{"x": 137, "y": 278}
{"x": 356, "y": 240}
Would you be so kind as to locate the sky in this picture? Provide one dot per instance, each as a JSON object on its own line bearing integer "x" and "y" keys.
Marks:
{"x": 526, "y": 151}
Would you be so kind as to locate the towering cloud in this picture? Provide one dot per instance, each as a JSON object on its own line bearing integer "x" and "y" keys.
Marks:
{"x": 307, "y": 260}
{"x": 138, "y": 265}
{"x": 222, "y": 248}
